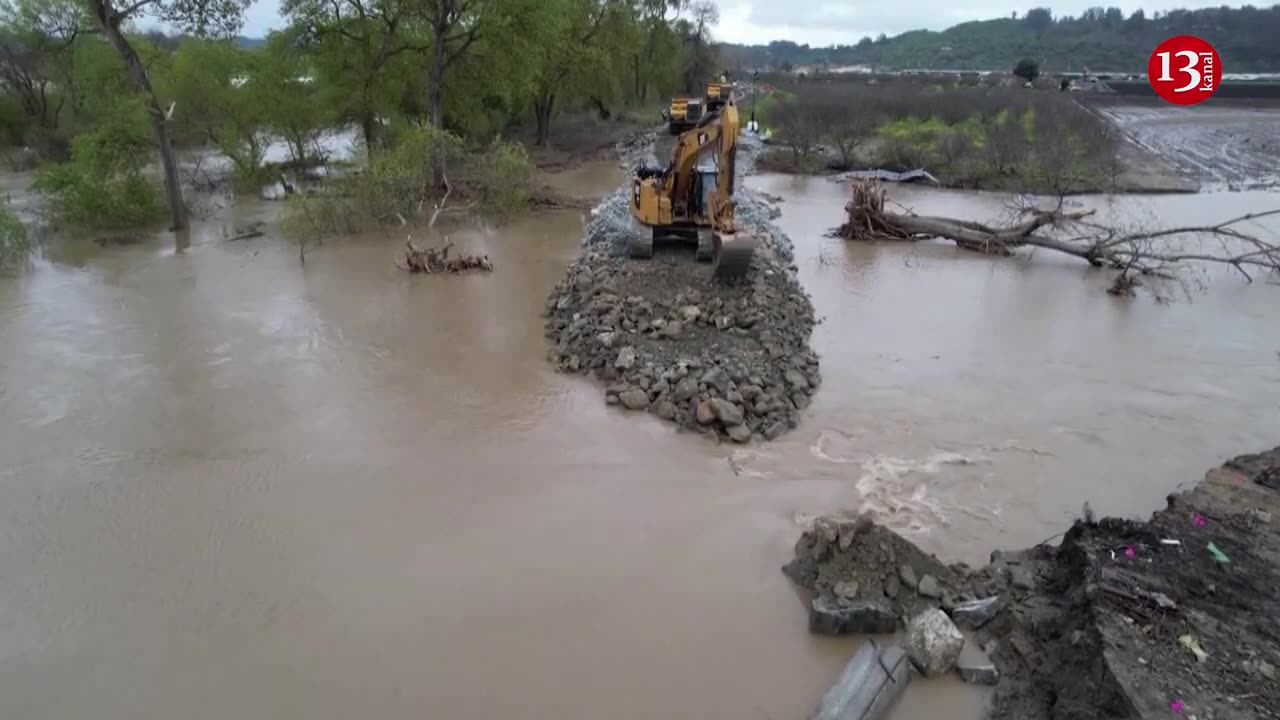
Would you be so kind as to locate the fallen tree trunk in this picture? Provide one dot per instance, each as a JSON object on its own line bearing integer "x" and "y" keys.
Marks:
{"x": 1144, "y": 252}
{"x": 437, "y": 260}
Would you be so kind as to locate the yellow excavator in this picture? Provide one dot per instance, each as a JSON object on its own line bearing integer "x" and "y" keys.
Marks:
{"x": 691, "y": 200}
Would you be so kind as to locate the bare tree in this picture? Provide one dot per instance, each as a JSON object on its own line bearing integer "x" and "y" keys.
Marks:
{"x": 1160, "y": 253}
{"x": 846, "y": 126}
{"x": 195, "y": 16}
{"x": 1005, "y": 143}
{"x": 800, "y": 127}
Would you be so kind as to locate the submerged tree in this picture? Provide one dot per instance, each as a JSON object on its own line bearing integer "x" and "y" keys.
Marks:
{"x": 195, "y": 16}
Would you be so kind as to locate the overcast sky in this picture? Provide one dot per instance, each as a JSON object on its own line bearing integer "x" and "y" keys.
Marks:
{"x": 828, "y": 22}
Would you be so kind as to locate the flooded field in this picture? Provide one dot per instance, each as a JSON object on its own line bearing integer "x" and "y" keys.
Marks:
{"x": 235, "y": 486}
{"x": 1235, "y": 146}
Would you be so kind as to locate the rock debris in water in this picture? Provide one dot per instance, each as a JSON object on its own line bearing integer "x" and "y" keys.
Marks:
{"x": 665, "y": 338}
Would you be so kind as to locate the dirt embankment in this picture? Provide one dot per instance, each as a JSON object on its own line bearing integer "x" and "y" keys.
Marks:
{"x": 733, "y": 360}
{"x": 1172, "y": 617}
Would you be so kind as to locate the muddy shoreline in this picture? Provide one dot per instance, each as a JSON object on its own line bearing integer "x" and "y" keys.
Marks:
{"x": 1122, "y": 619}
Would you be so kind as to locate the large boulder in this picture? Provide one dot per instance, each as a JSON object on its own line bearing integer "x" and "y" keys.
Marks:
{"x": 934, "y": 643}
{"x": 727, "y": 412}
{"x": 634, "y": 399}
{"x": 626, "y": 358}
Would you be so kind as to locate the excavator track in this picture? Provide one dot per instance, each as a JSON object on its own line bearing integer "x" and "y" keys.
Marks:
{"x": 733, "y": 254}
{"x": 640, "y": 244}
{"x": 706, "y": 251}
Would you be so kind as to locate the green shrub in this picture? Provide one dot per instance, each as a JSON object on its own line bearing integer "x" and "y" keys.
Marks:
{"x": 492, "y": 181}
{"x": 103, "y": 186}
{"x": 14, "y": 241}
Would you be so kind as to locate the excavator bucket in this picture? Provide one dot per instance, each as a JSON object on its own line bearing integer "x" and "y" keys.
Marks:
{"x": 732, "y": 253}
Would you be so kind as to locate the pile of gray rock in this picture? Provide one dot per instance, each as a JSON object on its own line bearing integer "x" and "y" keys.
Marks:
{"x": 665, "y": 338}
{"x": 866, "y": 579}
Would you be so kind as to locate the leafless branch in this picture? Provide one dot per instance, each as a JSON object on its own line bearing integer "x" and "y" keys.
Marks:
{"x": 1158, "y": 253}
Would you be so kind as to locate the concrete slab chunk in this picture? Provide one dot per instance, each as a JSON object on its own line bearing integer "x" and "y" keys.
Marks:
{"x": 872, "y": 683}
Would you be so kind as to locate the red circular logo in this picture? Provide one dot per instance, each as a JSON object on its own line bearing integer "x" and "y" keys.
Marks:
{"x": 1184, "y": 70}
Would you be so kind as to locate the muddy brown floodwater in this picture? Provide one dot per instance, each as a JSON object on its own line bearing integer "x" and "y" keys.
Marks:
{"x": 237, "y": 487}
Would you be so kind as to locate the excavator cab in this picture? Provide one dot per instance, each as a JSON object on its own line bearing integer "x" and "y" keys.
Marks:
{"x": 704, "y": 187}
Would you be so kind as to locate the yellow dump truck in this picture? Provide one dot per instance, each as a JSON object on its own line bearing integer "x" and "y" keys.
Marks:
{"x": 684, "y": 113}
{"x": 718, "y": 93}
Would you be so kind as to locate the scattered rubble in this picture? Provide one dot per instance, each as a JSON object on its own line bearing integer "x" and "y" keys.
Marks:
{"x": 733, "y": 360}
{"x": 1123, "y": 620}
{"x": 975, "y": 667}
{"x": 857, "y": 565}
{"x": 973, "y": 614}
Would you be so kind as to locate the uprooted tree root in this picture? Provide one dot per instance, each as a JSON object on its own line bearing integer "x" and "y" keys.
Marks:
{"x": 1158, "y": 253}
{"x": 437, "y": 260}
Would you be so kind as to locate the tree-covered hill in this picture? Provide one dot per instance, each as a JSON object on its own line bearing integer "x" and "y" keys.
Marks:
{"x": 1100, "y": 38}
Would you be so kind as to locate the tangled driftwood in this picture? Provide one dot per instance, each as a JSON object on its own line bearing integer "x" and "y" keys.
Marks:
{"x": 437, "y": 260}
{"x": 1147, "y": 252}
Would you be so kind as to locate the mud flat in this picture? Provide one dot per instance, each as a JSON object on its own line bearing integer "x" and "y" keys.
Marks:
{"x": 726, "y": 359}
{"x": 1174, "y": 616}
{"x": 1232, "y": 145}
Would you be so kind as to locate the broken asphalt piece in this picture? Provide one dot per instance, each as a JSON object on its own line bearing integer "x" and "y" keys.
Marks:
{"x": 973, "y": 614}
{"x": 856, "y": 618}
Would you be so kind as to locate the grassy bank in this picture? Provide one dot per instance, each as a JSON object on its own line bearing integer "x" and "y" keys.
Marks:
{"x": 969, "y": 135}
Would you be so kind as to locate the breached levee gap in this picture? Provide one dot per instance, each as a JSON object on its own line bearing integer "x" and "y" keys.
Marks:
{"x": 1124, "y": 619}
{"x": 730, "y": 360}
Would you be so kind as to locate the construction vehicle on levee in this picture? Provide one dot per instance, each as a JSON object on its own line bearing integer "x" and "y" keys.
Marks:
{"x": 691, "y": 200}
{"x": 684, "y": 113}
{"x": 720, "y": 92}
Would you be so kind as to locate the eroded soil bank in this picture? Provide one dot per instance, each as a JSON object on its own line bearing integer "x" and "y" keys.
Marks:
{"x": 1123, "y": 619}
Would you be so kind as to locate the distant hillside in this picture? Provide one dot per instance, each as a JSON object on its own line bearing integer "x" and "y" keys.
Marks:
{"x": 1102, "y": 39}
